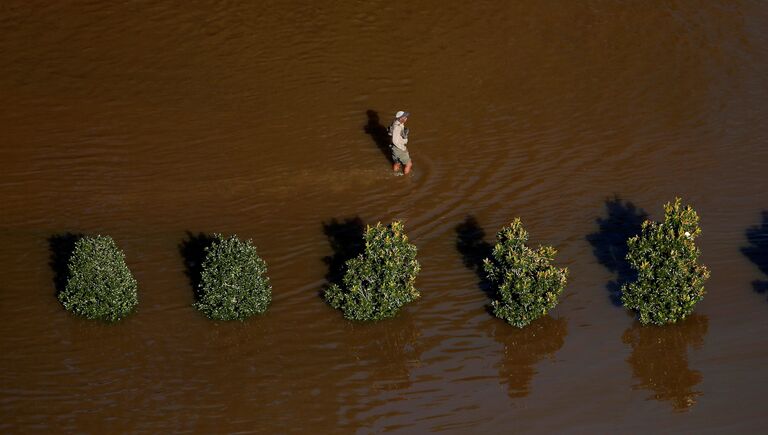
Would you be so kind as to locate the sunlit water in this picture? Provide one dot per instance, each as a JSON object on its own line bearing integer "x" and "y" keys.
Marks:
{"x": 148, "y": 121}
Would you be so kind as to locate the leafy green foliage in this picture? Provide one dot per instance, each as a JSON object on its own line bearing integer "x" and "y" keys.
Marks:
{"x": 379, "y": 281}
{"x": 670, "y": 281}
{"x": 527, "y": 285}
{"x": 233, "y": 282}
{"x": 100, "y": 286}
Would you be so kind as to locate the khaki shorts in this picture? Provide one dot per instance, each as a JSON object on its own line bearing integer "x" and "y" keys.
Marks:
{"x": 400, "y": 156}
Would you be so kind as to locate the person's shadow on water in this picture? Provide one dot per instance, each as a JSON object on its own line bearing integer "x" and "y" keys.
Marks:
{"x": 378, "y": 133}
{"x": 757, "y": 251}
{"x": 609, "y": 243}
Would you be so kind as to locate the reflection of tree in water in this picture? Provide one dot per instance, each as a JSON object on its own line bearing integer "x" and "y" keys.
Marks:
{"x": 380, "y": 358}
{"x": 524, "y": 348}
{"x": 389, "y": 350}
{"x": 233, "y": 341}
{"x": 659, "y": 359}
{"x": 757, "y": 251}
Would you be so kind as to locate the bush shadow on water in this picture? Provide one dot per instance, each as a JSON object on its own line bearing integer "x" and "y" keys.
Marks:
{"x": 524, "y": 348}
{"x": 471, "y": 244}
{"x": 61, "y": 247}
{"x": 609, "y": 243}
{"x": 192, "y": 250}
{"x": 378, "y": 133}
{"x": 346, "y": 240}
{"x": 659, "y": 359}
{"x": 757, "y": 251}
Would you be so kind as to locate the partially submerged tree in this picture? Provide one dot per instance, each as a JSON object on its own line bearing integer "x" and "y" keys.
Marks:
{"x": 670, "y": 281}
{"x": 379, "y": 281}
{"x": 233, "y": 282}
{"x": 527, "y": 284}
{"x": 100, "y": 285}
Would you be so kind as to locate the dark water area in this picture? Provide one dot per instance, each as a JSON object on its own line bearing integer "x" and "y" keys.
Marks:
{"x": 164, "y": 123}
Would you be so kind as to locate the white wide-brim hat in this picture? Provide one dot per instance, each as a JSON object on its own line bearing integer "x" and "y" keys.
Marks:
{"x": 401, "y": 113}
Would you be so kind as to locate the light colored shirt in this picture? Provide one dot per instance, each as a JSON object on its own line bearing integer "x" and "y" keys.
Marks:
{"x": 397, "y": 135}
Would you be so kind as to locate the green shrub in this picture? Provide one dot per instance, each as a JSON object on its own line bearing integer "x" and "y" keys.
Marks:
{"x": 233, "y": 282}
{"x": 527, "y": 285}
{"x": 380, "y": 280}
{"x": 100, "y": 286}
{"x": 670, "y": 281}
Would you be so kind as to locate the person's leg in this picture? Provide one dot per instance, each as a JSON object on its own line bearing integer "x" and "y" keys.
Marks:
{"x": 406, "y": 159}
{"x": 395, "y": 159}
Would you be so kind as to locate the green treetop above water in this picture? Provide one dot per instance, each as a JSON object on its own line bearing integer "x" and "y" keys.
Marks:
{"x": 670, "y": 281}
{"x": 379, "y": 281}
{"x": 233, "y": 282}
{"x": 99, "y": 286}
{"x": 527, "y": 284}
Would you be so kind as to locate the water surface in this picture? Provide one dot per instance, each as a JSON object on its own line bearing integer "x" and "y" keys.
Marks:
{"x": 154, "y": 122}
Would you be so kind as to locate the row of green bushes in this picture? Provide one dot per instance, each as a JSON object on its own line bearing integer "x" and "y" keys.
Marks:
{"x": 380, "y": 280}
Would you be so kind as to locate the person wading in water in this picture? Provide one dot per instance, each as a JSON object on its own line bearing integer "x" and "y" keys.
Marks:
{"x": 399, "y": 133}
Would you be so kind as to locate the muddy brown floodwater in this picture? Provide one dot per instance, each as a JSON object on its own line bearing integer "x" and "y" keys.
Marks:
{"x": 160, "y": 123}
